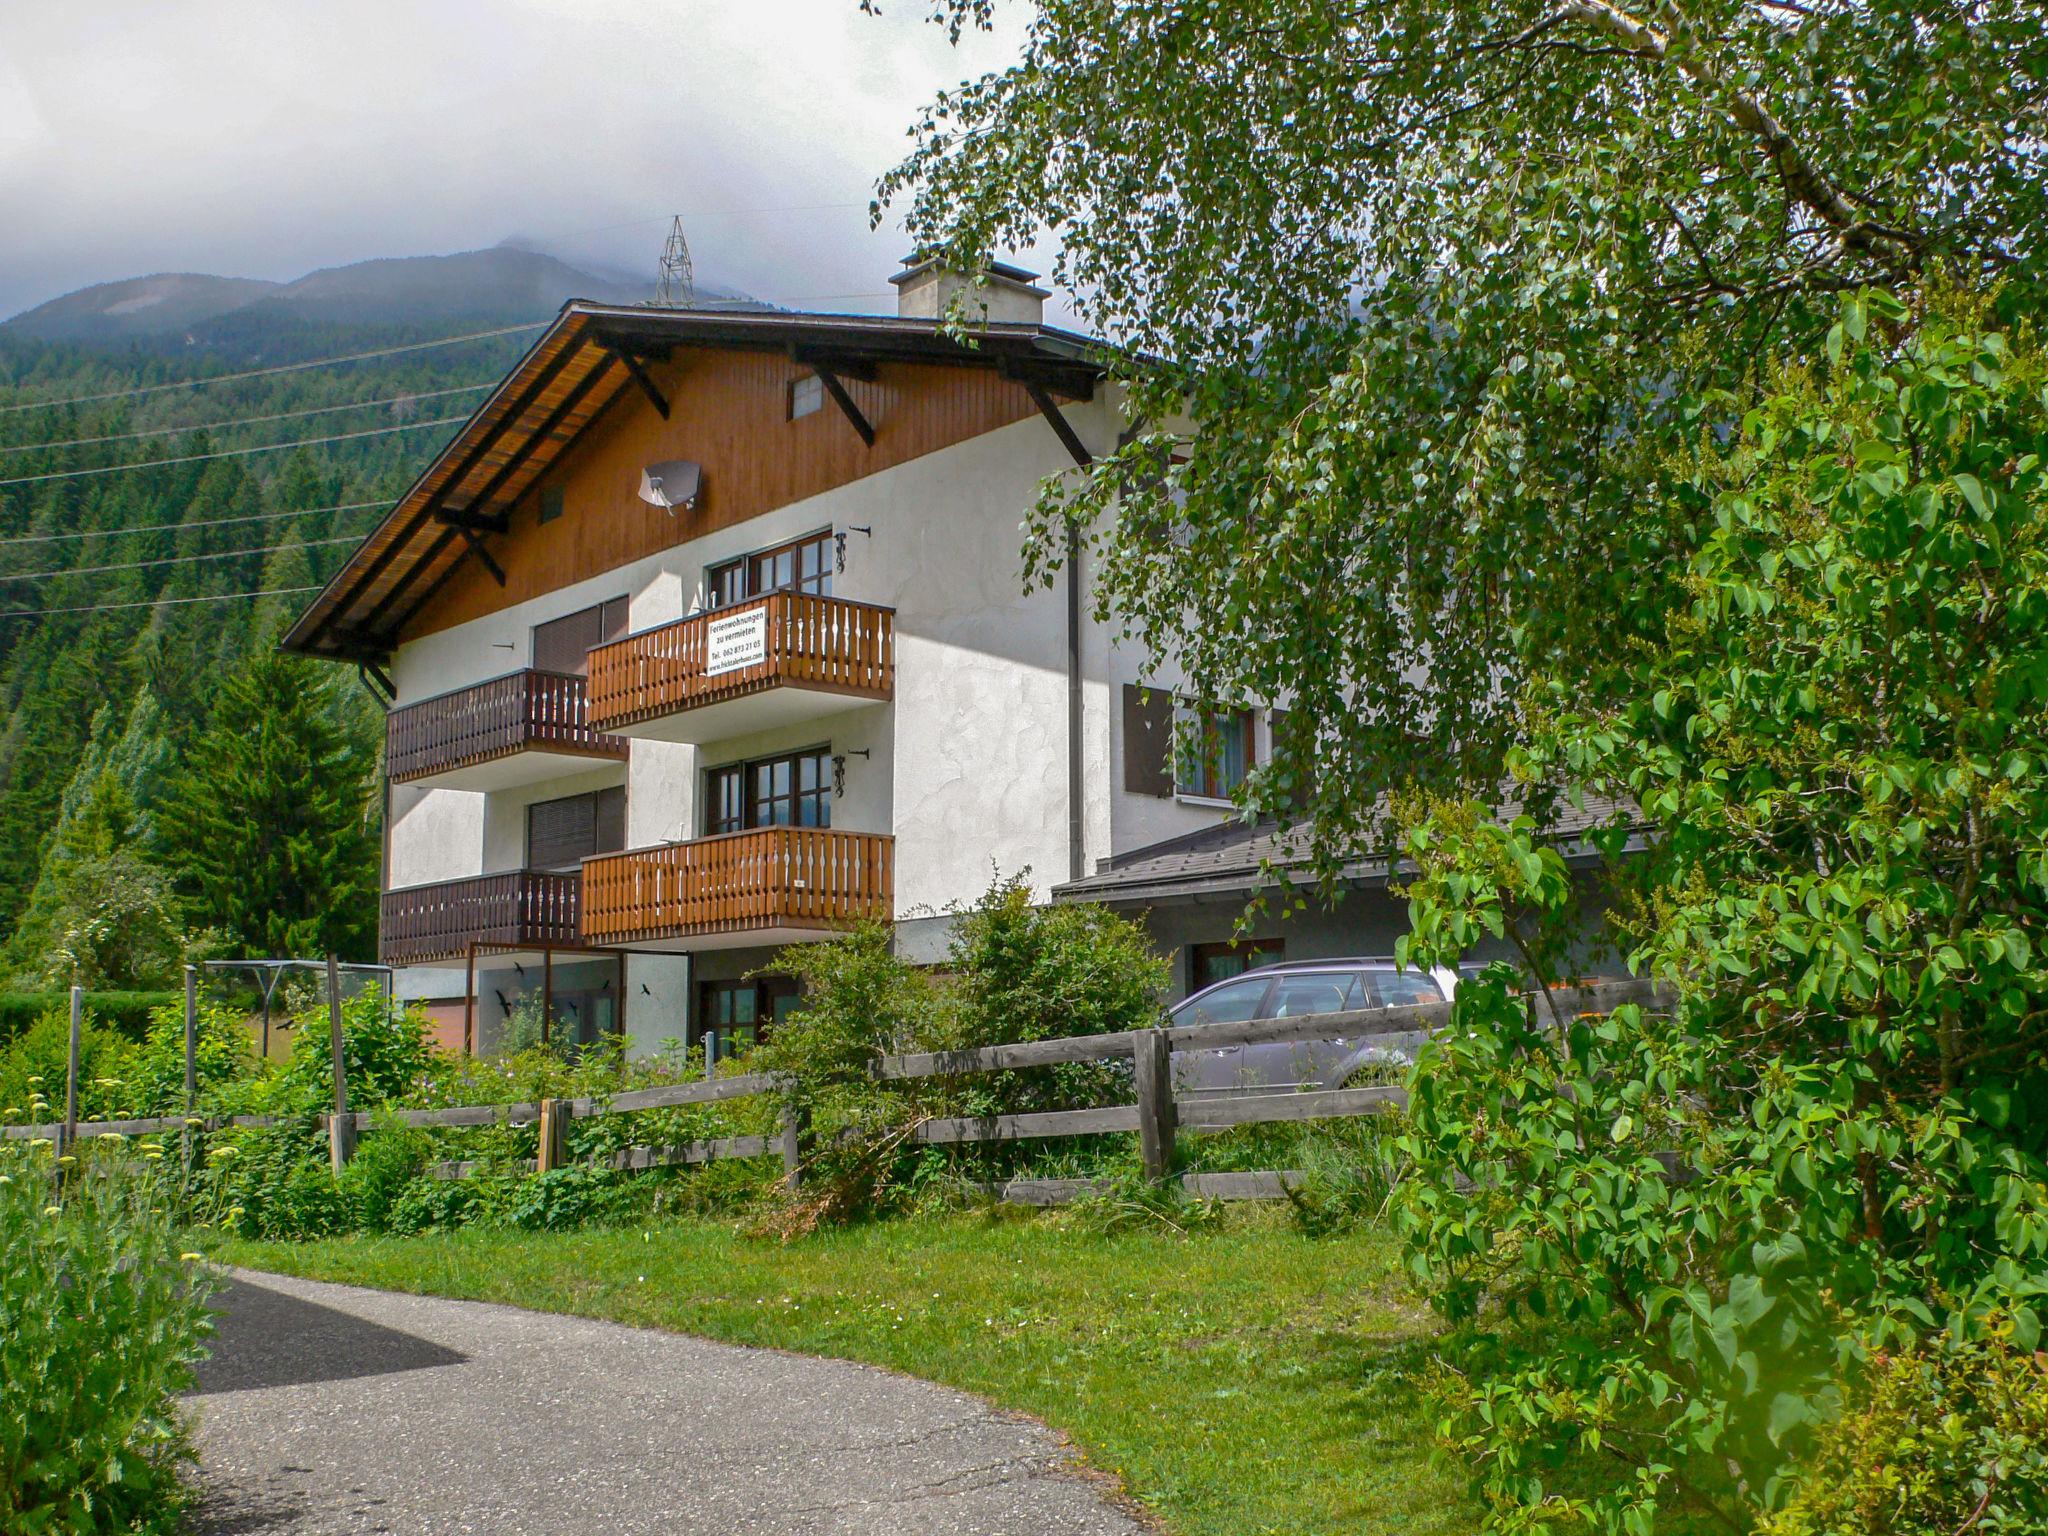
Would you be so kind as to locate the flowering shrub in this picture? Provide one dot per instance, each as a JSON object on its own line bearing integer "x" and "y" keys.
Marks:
{"x": 101, "y": 1321}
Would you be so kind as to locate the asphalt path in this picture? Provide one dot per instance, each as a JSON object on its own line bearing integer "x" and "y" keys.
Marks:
{"x": 329, "y": 1409}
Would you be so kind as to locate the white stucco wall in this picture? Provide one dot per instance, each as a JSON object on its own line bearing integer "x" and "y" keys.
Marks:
{"x": 968, "y": 766}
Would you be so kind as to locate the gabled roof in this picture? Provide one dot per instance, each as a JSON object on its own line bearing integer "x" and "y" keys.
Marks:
{"x": 1229, "y": 859}
{"x": 590, "y": 355}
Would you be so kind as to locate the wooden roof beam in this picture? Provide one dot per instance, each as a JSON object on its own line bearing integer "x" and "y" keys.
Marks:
{"x": 542, "y": 433}
{"x": 476, "y": 547}
{"x": 510, "y": 467}
{"x": 1065, "y": 379}
{"x": 479, "y": 522}
{"x": 385, "y": 556}
{"x": 836, "y": 388}
{"x": 1061, "y": 427}
{"x": 641, "y": 377}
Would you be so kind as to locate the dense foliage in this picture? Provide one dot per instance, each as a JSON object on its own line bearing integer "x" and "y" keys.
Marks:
{"x": 1840, "y": 743}
{"x": 1429, "y": 276}
{"x": 124, "y": 688}
{"x": 1645, "y": 401}
{"x": 101, "y": 1322}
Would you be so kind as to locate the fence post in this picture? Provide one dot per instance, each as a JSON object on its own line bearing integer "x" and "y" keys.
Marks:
{"x": 1157, "y": 1120}
{"x": 341, "y": 1126}
{"x": 794, "y": 1123}
{"x": 191, "y": 1059}
{"x": 554, "y": 1135}
{"x": 71, "y": 1073}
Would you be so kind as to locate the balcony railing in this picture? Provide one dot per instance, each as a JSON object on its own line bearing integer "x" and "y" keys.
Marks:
{"x": 769, "y": 878}
{"x": 520, "y": 909}
{"x": 526, "y": 711}
{"x": 786, "y": 640}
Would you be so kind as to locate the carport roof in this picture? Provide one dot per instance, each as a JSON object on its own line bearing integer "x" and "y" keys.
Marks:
{"x": 1232, "y": 859}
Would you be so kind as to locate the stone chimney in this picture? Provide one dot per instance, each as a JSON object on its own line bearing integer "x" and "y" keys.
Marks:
{"x": 925, "y": 290}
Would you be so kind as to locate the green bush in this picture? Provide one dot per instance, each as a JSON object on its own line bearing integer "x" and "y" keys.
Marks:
{"x": 33, "y": 1065}
{"x": 128, "y": 1012}
{"x": 101, "y": 1322}
{"x": 1670, "y": 1234}
{"x": 386, "y": 1162}
{"x": 1947, "y": 1437}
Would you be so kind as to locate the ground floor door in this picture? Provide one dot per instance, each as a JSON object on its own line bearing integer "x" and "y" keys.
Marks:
{"x": 733, "y": 1016}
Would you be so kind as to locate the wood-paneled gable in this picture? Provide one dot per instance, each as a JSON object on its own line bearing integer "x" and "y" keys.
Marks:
{"x": 729, "y": 413}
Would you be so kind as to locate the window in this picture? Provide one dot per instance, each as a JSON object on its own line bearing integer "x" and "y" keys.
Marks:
{"x": 1232, "y": 1003}
{"x": 1211, "y": 963}
{"x": 550, "y": 503}
{"x": 563, "y": 645}
{"x": 1398, "y": 989}
{"x": 1213, "y": 751}
{"x": 1326, "y": 992}
{"x": 806, "y": 395}
{"x": 560, "y": 834}
{"x": 793, "y": 790}
{"x": 802, "y": 565}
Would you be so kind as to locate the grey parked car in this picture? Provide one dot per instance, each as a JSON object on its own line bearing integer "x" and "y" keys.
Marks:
{"x": 1289, "y": 990}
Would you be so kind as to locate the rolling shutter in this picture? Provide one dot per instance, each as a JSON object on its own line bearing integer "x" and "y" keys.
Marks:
{"x": 563, "y": 645}
{"x": 610, "y": 830}
{"x": 1148, "y": 742}
{"x": 562, "y": 833}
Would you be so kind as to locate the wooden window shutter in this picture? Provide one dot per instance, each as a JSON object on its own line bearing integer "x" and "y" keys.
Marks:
{"x": 1148, "y": 742}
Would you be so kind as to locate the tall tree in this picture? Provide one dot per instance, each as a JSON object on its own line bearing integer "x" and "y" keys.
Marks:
{"x": 265, "y": 824}
{"x": 1646, "y": 399}
{"x": 1441, "y": 279}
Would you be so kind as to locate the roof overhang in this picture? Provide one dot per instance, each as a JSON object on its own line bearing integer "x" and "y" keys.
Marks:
{"x": 589, "y": 356}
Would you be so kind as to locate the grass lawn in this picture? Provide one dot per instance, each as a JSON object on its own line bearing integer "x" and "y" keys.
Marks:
{"x": 1240, "y": 1380}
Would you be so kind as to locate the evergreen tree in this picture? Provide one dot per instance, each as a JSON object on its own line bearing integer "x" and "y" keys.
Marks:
{"x": 265, "y": 825}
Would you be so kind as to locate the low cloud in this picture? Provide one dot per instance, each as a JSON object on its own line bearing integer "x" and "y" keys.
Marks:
{"x": 266, "y": 140}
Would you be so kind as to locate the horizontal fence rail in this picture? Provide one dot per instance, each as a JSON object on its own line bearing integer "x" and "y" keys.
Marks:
{"x": 1157, "y": 1117}
{"x": 826, "y": 644}
{"x": 520, "y": 711}
{"x": 518, "y": 909}
{"x": 161, "y": 1125}
{"x": 771, "y": 877}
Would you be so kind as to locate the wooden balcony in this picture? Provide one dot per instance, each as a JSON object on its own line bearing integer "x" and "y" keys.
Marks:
{"x": 771, "y": 885}
{"x": 520, "y": 909}
{"x": 776, "y": 660}
{"x": 517, "y": 729}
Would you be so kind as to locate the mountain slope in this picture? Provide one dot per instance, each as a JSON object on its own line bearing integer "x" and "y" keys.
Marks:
{"x": 120, "y": 312}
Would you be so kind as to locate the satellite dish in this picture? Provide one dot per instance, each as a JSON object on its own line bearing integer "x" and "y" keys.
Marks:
{"x": 670, "y": 485}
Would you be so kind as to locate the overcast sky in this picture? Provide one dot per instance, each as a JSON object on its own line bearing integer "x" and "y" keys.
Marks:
{"x": 267, "y": 138}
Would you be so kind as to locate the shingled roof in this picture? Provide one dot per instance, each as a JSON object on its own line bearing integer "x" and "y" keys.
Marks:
{"x": 1231, "y": 858}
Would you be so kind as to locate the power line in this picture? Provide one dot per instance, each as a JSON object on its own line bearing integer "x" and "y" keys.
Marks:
{"x": 214, "y": 522}
{"x": 249, "y": 421}
{"x": 261, "y": 373}
{"x": 161, "y": 602}
{"x": 136, "y": 565}
{"x": 235, "y": 453}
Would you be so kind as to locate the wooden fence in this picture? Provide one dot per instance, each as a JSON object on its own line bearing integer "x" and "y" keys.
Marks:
{"x": 1158, "y": 1117}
